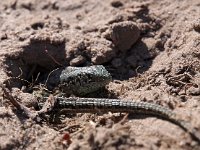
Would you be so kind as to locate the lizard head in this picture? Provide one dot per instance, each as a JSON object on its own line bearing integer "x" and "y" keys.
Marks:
{"x": 84, "y": 80}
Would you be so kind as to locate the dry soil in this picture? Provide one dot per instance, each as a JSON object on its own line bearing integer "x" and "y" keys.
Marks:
{"x": 151, "y": 48}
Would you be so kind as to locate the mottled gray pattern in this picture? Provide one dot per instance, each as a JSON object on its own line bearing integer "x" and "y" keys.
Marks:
{"x": 83, "y": 80}
{"x": 103, "y": 105}
{"x": 79, "y": 80}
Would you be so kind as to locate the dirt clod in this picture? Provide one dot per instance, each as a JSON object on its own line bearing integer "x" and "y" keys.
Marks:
{"x": 116, "y": 3}
{"x": 123, "y": 35}
{"x": 77, "y": 61}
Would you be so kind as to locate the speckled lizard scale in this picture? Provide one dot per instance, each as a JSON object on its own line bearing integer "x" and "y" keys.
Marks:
{"x": 77, "y": 105}
{"x": 79, "y": 81}
{"x": 100, "y": 105}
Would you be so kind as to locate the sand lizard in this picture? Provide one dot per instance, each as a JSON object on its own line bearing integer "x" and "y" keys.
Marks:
{"x": 84, "y": 80}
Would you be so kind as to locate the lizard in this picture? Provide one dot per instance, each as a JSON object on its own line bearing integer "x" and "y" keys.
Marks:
{"x": 84, "y": 80}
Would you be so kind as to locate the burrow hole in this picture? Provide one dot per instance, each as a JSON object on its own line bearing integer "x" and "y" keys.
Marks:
{"x": 34, "y": 63}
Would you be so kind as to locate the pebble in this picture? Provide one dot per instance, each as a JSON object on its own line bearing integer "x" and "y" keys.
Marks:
{"x": 77, "y": 61}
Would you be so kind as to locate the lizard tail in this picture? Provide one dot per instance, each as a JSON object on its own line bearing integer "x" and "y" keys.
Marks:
{"x": 95, "y": 105}
{"x": 194, "y": 133}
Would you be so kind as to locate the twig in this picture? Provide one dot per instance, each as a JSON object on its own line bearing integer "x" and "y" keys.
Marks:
{"x": 20, "y": 107}
{"x": 31, "y": 71}
{"x": 67, "y": 128}
{"x": 34, "y": 115}
{"x": 46, "y": 51}
{"x": 136, "y": 70}
{"x": 49, "y": 76}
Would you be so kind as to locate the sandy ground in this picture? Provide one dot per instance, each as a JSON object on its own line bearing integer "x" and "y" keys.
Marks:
{"x": 151, "y": 48}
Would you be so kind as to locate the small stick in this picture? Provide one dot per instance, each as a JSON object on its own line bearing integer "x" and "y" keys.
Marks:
{"x": 34, "y": 115}
{"x": 31, "y": 71}
{"x": 46, "y": 51}
{"x": 49, "y": 76}
{"x": 19, "y": 77}
{"x": 20, "y": 107}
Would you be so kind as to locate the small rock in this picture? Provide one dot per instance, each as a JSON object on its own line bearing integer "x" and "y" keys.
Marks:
{"x": 37, "y": 25}
{"x": 196, "y": 25}
{"x": 116, "y": 4}
{"x": 3, "y": 36}
{"x": 117, "y": 18}
{"x": 124, "y": 34}
{"x": 77, "y": 61}
{"x": 194, "y": 91}
{"x": 183, "y": 98}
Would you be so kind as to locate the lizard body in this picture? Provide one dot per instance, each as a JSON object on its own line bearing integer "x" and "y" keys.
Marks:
{"x": 84, "y": 80}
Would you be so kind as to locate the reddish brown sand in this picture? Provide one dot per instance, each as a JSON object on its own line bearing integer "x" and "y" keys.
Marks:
{"x": 151, "y": 48}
